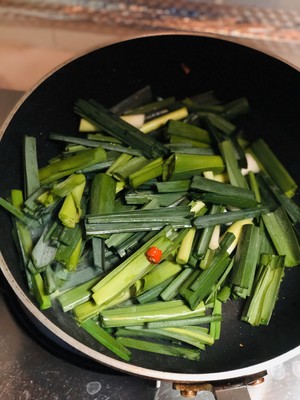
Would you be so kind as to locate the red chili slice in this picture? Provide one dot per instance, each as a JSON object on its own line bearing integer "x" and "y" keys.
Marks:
{"x": 154, "y": 254}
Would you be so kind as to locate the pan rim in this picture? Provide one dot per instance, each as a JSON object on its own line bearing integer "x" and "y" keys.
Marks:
{"x": 93, "y": 354}
{"x": 131, "y": 368}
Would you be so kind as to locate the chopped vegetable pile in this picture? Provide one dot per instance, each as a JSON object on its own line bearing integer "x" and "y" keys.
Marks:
{"x": 152, "y": 218}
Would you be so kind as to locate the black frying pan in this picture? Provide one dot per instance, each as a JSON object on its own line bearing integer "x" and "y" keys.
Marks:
{"x": 111, "y": 74}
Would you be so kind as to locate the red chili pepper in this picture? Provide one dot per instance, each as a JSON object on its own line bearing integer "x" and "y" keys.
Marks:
{"x": 154, "y": 254}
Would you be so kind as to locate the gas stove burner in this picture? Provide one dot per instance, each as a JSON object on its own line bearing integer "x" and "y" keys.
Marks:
{"x": 44, "y": 338}
{"x": 36, "y": 367}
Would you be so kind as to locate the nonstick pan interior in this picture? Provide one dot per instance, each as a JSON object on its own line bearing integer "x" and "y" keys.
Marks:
{"x": 179, "y": 65}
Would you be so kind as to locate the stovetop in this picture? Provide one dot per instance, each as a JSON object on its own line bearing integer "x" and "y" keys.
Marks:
{"x": 32, "y": 367}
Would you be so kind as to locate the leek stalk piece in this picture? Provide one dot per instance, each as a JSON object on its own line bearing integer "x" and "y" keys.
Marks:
{"x": 173, "y": 186}
{"x": 195, "y": 321}
{"x": 152, "y": 107}
{"x": 161, "y": 273}
{"x": 236, "y": 108}
{"x": 171, "y": 291}
{"x": 136, "y": 197}
{"x": 215, "y": 326}
{"x": 158, "y": 122}
{"x": 102, "y": 336}
{"x": 204, "y": 282}
{"x": 15, "y": 211}
{"x": 184, "y": 166}
{"x": 89, "y": 309}
{"x": 70, "y": 212}
{"x": 103, "y": 192}
{"x": 288, "y": 203}
{"x": 25, "y": 241}
{"x": 88, "y": 143}
{"x": 194, "y": 143}
{"x": 31, "y": 171}
{"x": 149, "y": 171}
{"x": 206, "y": 235}
{"x": 63, "y": 188}
{"x": 128, "y": 272}
{"x": 149, "y": 312}
{"x": 221, "y": 123}
{"x": 77, "y": 295}
{"x": 167, "y": 349}
{"x": 119, "y": 162}
{"x": 137, "y": 99}
{"x": 185, "y": 248}
{"x": 69, "y": 255}
{"x": 246, "y": 260}
{"x": 226, "y": 194}
{"x": 192, "y": 335}
{"x": 283, "y": 236}
{"x": 102, "y": 200}
{"x": 236, "y": 228}
{"x": 65, "y": 167}
{"x": 185, "y": 130}
{"x": 228, "y": 217}
{"x": 273, "y": 166}
{"x": 43, "y": 252}
{"x": 39, "y": 291}
{"x": 235, "y": 175}
{"x": 115, "y": 126}
{"x": 133, "y": 165}
{"x": 138, "y": 220}
{"x": 260, "y": 306}
{"x": 153, "y": 294}
{"x": 101, "y": 137}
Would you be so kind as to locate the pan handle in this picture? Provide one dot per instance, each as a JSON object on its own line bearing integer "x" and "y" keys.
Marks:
{"x": 237, "y": 393}
{"x": 222, "y": 390}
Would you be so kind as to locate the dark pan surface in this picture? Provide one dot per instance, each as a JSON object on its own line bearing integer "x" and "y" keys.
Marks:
{"x": 111, "y": 74}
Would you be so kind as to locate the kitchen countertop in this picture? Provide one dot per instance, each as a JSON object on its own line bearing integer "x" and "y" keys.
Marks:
{"x": 35, "y": 35}
{"x": 34, "y": 368}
